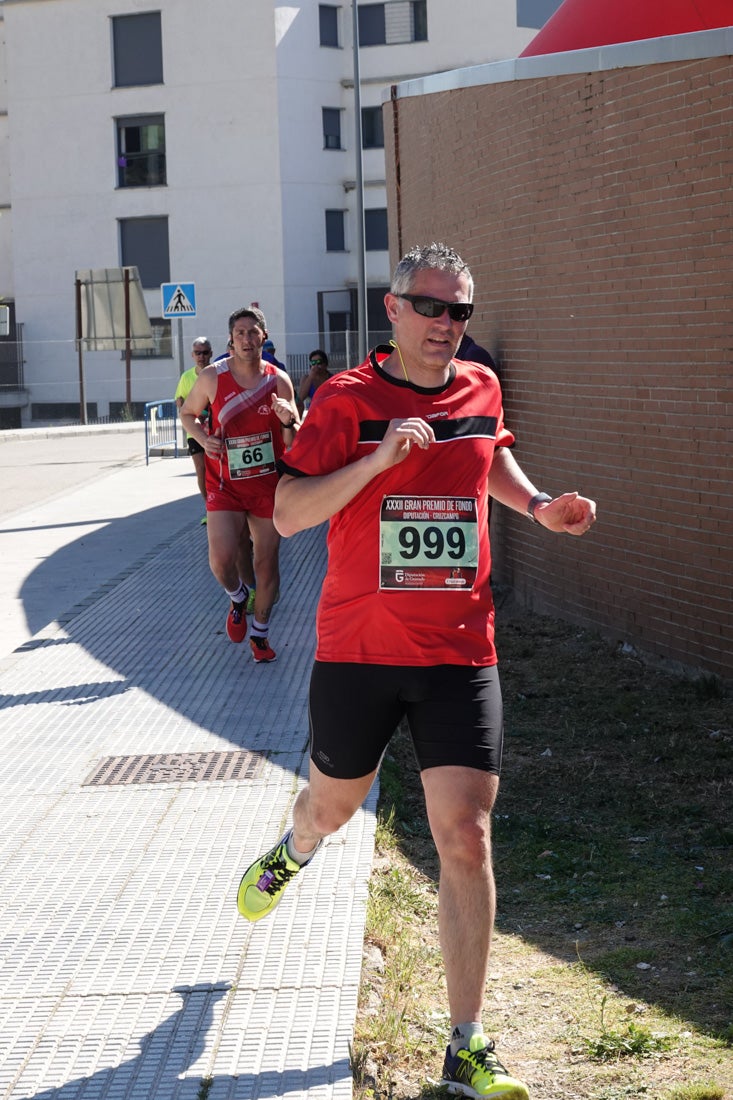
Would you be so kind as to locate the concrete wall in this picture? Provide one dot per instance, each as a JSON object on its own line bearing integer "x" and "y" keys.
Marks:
{"x": 594, "y": 208}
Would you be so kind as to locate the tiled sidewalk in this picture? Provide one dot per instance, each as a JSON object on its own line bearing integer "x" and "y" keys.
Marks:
{"x": 125, "y": 970}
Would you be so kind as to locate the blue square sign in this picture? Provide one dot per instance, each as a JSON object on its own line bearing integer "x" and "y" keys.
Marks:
{"x": 179, "y": 299}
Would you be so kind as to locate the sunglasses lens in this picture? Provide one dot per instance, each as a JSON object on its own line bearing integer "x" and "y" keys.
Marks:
{"x": 427, "y": 307}
{"x": 434, "y": 307}
{"x": 461, "y": 311}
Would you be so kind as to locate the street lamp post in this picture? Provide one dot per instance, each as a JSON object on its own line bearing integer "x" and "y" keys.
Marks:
{"x": 361, "y": 295}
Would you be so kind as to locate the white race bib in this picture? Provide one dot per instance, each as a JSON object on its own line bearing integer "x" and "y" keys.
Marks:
{"x": 428, "y": 543}
{"x": 250, "y": 455}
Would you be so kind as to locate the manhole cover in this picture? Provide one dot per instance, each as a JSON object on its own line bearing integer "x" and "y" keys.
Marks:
{"x": 176, "y": 767}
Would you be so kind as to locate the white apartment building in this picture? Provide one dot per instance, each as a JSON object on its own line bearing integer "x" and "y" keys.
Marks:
{"x": 211, "y": 144}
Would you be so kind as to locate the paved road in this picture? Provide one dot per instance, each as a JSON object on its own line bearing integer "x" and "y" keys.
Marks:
{"x": 145, "y": 761}
{"x": 77, "y": 507}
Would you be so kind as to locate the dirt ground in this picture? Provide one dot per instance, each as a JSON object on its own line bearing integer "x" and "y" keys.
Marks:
{"x": 612, "y": 964}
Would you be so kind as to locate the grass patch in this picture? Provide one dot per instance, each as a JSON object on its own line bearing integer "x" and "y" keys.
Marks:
{"x": 622, "y": 1040}
{"x": 625, "y": 1042}
{"x": 612, "y": 966}
{"x": 205, "y": 1088}
{"x": 707, "y": 1091}
{"x": 400, "y": 969}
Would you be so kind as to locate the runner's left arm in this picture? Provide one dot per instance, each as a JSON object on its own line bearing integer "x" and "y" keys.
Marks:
{"x": 569, "y": 513}
{"x": 285, "y": 407}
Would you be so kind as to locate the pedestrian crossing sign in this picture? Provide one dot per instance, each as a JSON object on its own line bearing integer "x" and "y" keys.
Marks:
{"x": 179, "y": 299}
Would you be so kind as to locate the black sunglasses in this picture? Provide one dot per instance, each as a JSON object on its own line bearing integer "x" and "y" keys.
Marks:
{"x": 316, "y": 363}
{"x": 205, "y": 351}
{"x": 435, "y": 307}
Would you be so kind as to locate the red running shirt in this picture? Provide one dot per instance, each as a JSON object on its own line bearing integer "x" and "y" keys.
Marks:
{"x": 409, "y": 558}
{"x": 253, "y": 433}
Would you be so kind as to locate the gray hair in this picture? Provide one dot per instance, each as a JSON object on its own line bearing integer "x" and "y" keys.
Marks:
{"x": 428, "y": 257}
{"x": 201, "y": 341}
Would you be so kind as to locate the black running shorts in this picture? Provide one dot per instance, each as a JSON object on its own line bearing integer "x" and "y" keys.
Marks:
{"x": 194, "y": 447}
{"x": 454, "y": 713}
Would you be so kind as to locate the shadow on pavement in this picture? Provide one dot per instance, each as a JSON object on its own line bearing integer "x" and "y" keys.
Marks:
{"x": 156, "y": 625}
{"x": 162, "y": 1068}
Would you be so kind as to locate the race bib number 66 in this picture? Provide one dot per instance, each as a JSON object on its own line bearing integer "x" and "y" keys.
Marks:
{"x": 428, "y": 543}
{"x": 250, "y": 455}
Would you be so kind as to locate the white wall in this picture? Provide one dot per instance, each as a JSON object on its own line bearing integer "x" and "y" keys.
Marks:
{"x": 7, "y": 289}
{"x": 248, "y": 178}
{"x": 222, "y": 201}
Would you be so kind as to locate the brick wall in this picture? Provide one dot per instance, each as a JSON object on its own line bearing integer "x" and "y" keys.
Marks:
{"x": 595, "y": 212}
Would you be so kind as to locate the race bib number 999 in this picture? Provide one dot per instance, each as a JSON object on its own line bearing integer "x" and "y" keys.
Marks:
{"x": 250, "y": 455}
{"x": 428, "y": 543}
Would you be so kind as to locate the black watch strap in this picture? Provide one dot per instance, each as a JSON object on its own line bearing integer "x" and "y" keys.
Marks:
{"x": 538, "y": 498}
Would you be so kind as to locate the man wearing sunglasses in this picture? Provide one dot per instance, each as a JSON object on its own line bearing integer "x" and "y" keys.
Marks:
{"x": 201, "y": 355}
{"x": 401, "y": 455}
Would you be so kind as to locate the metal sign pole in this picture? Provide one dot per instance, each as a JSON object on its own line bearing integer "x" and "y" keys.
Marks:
{"x": 128, "y": 350}
{"x": 82, "y": 395}
{"x": 181, "y": 366}
{"x": 361, "y": 282}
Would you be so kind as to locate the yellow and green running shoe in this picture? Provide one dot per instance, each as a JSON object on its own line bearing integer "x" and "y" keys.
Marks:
{"x": 264, "y": 881}
{"x": 477, "y": 1073}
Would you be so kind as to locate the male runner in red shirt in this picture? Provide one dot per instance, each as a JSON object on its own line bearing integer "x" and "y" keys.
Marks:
{"x": 401, "y": 456}
{"x": 253, "y": 418}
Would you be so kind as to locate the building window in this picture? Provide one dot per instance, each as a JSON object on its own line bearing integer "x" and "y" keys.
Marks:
{"x": 419, "y": 20}
{"x": 331, "y": 127}
{"x": 392, "y": 23}
{"x": 328, "y": 25}
{"x": 144, "y": 245}
{"x": 162, "y": 341}
{"x": 335, "y": 235}
{"x": 372, "y": 25}
{"x": 141, "y": 151}
{"x": 137, "y": 49}
{"x": 372, "y": 128}
{"x": 375, "y": 230}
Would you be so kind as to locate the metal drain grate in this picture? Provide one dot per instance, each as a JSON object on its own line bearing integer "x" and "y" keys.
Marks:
{"x": 176, "y": 767}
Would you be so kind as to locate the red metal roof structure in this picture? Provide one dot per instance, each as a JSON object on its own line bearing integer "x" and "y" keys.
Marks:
{"x": 580, "y": 24}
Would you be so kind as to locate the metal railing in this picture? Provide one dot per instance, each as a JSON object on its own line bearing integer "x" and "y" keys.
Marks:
{"x": 161, "y": 427}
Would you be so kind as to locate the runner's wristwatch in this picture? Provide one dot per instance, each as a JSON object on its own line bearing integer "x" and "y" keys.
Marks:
{"x": 538, "y": 498}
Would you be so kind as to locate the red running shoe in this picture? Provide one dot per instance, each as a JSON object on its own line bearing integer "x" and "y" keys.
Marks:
{"x": 261, "y": 649}
{"x": 236, "y": 622}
